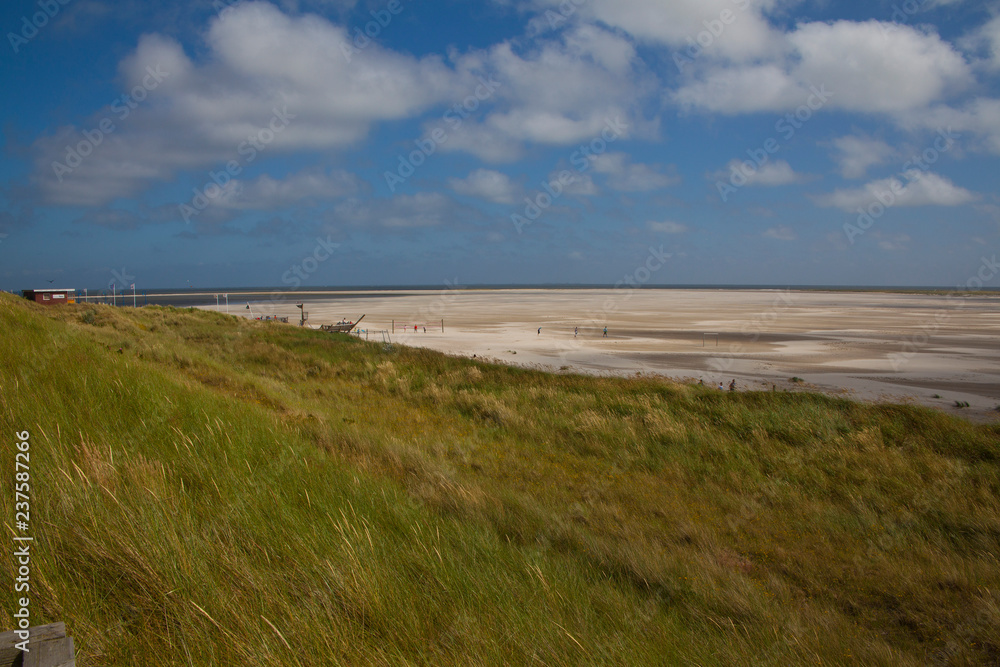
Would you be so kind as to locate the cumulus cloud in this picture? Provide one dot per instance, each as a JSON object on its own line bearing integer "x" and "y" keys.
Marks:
{"x": 916, "y": 188}
{"x": 666, "y": 227}
{"x": 260, "y": 64}
{"x": 487, "y": 184}
{"x": 425, "y": 209}
{"x": 781, "y": 233}
{"x": 637, "y": 177}
{"x": 265, "y": 192}
{"x": 771, "y": 173}
{"x": 558, "y": 92}
{"x": 740, "y": 29}
{"x": 734, "y": 90}
{"x": 581, "y": 185}
{"x": 873, "y": 70}
{"x": 867, "y": 67}
{"x": 855, "y": 154}
{"x": 112, "y": 218}
{"x": 985, "y": 41}
{"x": 980, "y": 117}
{"x": 892, "y": 242}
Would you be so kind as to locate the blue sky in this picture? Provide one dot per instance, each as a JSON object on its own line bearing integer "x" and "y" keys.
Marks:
{"x": 499, "y": 142}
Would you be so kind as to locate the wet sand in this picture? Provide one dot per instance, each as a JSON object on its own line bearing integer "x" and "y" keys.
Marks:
{"x": 928, "y": 349}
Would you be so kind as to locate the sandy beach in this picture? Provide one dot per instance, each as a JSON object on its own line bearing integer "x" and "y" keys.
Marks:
{"x": 934, "y": 350}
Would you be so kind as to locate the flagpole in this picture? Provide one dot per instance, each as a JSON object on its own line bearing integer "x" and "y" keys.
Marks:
{"x": 133, "y": 295}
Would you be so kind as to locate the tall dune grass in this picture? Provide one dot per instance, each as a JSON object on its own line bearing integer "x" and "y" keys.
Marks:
{"x": 209, "y": 490}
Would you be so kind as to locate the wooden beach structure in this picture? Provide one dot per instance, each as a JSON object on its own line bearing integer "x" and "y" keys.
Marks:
{"x": 341, "y": 327}
{"x": 50, "y": 297}
{"x": 48, "y": 646}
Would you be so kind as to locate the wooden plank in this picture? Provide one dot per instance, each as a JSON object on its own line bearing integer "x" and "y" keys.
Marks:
{"x": 38, "y": 633}
{"x": 11, "y": 656}
{"x": 51, "y": 653}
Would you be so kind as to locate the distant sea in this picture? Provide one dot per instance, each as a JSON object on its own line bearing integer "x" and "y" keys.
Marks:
{"x": 205, "y": 296}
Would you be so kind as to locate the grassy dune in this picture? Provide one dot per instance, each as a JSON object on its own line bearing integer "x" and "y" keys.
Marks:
{"x": 209, "y": 490}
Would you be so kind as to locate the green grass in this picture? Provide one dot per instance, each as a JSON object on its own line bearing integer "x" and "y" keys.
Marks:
{"x": 230, "y": 492}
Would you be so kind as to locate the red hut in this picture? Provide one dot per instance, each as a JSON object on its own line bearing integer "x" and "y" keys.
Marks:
{"x": 50, "y": 296}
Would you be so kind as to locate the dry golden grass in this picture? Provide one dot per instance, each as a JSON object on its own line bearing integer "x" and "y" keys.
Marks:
{"x": 233, "y": 492}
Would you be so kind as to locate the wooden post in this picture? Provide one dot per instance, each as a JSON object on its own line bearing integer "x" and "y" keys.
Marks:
{"x": 48, "y": 647}
{"x": 442, "y": 326}
{"x": 394, "y": 326}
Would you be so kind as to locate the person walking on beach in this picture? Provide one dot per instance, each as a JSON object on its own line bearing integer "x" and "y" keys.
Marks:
{"x": 605, "y": 332}
{"x": 576, "y": 330}
{"x": 721, "y": 388}
{"x": 539, "y": 331}
{"x": 732, "y": 385}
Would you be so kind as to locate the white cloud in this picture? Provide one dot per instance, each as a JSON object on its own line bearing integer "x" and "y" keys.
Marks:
{"x": 733, "y": 90}
{"x": 626, "y": 177}
{"x": 562, "y": 91}
{"x": 991, "y": 32}
{"x": 606, "y": 48}
{"x": 486, "y": 184}
{"x": 265, "y": 192}
{"x": 771, "y": 173}
{"x": 855, "y": 154}
{"x": 867, "y": 67}
{"x": 486, "y": 142}
{"x": 980, "y": 117}
{"x": 736, "y": 29}
{"x": 872, "y": 70}
{"x": 781, "y": 233}
{"x": 892, "y": 242}
{"x": 558, "y": 92}
{"x": 919, "y": 189}
{"x": 991, "y": 210}
{"x": 582, "y": 185}
{"x": 425, "y": 209}
{"x": 259, "y": 61}
{"x": 666, "y": 227}
{"x": 986, "y": 40}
